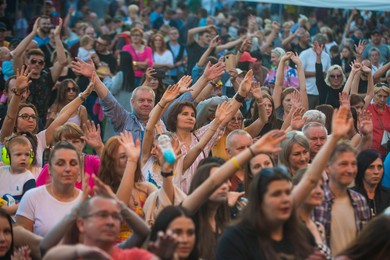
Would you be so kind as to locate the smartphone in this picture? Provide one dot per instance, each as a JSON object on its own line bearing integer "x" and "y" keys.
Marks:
{"x": 160, "y": 74}
{"x": 230, "y": 61}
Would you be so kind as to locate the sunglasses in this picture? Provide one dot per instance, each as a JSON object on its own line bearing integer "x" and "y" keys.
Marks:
{"x": 335, "y": 76}
{"x": 35, "y": 61}
{"x": 28, "y": 117}
{"x": 72, "y": 89}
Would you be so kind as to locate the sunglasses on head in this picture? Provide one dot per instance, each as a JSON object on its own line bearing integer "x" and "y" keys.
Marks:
{"x": 72, "y": 89}
{"x": 35, "y": 61}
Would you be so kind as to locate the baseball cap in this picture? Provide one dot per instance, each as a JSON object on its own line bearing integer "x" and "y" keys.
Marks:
{"x": 245, "y": 56}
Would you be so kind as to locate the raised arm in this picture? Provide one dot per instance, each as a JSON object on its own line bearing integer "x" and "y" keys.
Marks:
{"x": 92, "y": 136}
{"x": 302, "y": 81}
{"x": 355, "y": 69}
{"x": 191, "y": 33}
{"x": 169, "y": 95}
{"x": 270, "y": 38}
{"x": 133, "y": 151}
{"x": 18, "y": 53}
{"x": 59, "y": 65}
{"x": 359, "y": 50}
{"x": 269, "y": 143}
{"x": 22, "y": 83}
{"x": 340, "y": 127}
{"x": 211, "y": 72}
{"x": 277, "y": 94}
{"x": 219, "y": 121}
{"x": 213, "y": 44}
{"x": 67, "y": 111}
{"x": 255, "y": 128}
{"x": 229, "y": 45}
{"x": 370, "y": 86}
{"x": 381, "y": 72}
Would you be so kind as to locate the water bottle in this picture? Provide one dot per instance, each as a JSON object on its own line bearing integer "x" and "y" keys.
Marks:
{"x": 166, "y": 147}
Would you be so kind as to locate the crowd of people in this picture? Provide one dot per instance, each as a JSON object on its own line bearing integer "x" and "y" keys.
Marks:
{"x": 196, "y": 130}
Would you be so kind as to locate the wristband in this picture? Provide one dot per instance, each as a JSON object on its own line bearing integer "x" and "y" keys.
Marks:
{"x": 160, "y": 105}
{"x": 166, "y": 174}
{"x": 239, "y": 98}
{"x": 81, "y": 97}
{"x": 235, "y": 163}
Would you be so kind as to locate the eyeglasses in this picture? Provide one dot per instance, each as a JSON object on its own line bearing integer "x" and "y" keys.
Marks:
{"x": 335, "y": 76}
{"x": 28, "y": 117}
{"x": 105, "y": 214}
{"x": 35, "y": 61}
{"x": 72, "y": 89}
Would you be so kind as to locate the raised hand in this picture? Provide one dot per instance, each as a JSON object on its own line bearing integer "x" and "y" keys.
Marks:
{"x": 344, "y": 99}
{"x": 102, "y": 189}
{"x": 269, "y": 143}
{"x": 246, "y": 44}
{"x": 172, "y": 92}
{"x": 318, "y": 48}
{"x": 222, "y": 111}
{"x": 90, "y": 87}
{"x": 86, "y": 189}
{"x": 246, "y": 84}
{"x": 22, "y": 253}
{"x": 356, "y": 66}
{"x": 341, "y": 122}
{"x": 184, "y": 83}
{"x": 366, "y": 69}
{"x": 360, "y": 48}
{"x": 23, "y": 78}
{"x": 57, "y": 31}
{"x": 275, "y": 26}
{"x": 133, "y": 150}
{"x": 365, "y": 125}
{"x": 165, "y": 245}
{"x": 176, "y": 146}
{"x": 256, "y": 92}
{"x": 150, "y": 73}
{"x": 233, "y": 196}
{"x": 214, "y": 71}
{"x": 295, "y": 58}
{"x": 296, "y": 101}
{"x": 297, "y": 121}
{"x": 81, "y": 67}
{"x": 36, "y": 25}
{"x": 286, "y": 56}
{"x": 92, "y": 134}
{"x": 214, "y": 42}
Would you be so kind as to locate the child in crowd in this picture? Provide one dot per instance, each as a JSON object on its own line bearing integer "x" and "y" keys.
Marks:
{"x": 15, "y": 179}
{"x": 86, "y": 50}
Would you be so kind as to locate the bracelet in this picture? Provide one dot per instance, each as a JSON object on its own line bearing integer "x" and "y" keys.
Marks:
{"x": 81, "y": 97}
{"x": 239, "y": 98}
{"x": 252, "y": 152}
{"x": 235, "y": 163}
{"x": 166, "y": 174}
{"x": 160, "y": 105}
{"x": 12, "y": 118}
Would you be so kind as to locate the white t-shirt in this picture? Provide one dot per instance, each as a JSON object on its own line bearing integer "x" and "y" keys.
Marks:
{"x": 308, "y": 58}
{"x": 43, "y": 209}
{"x": 165, "y": 58}
{"x": 12, "y": 183}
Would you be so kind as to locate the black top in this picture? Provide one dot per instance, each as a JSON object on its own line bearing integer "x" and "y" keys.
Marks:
{"x": 110, "y": 60}
{"x": 194, "y": 51}
{"x": 238, "y": 243}
{"x": 327, "y": 94}
{"x": 381, "y": 199}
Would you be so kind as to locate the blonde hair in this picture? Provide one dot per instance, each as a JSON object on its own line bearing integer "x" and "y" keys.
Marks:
{"x": 85, "y": 40}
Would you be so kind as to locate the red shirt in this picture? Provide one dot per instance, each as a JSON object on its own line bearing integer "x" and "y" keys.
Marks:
{"x": 133, "y": 253}
{"x": 384, "y": 117}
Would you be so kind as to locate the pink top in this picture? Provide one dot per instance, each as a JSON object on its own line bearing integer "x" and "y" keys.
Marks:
{"x": 145, "y": 56}
{"x": 91, "y": 166}
{"x": 379, "y": 117}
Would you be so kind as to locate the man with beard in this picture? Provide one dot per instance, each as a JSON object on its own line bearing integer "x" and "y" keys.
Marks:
{"x": 42, "y": 36}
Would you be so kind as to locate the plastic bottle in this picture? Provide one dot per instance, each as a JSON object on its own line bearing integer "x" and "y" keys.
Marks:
{"x": 166, "y": 147}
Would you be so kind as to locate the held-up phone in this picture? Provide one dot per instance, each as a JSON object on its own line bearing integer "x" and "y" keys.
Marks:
{"x": 230, "y": 61}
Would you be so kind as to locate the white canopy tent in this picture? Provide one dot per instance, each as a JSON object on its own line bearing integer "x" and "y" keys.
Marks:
{"x": 373, "y": 5}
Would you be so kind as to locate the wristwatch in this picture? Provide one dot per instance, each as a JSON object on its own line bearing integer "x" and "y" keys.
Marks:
{"x": 81, "y": 97}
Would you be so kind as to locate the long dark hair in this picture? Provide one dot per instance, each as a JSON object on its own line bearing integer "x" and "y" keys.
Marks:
{"x": 10, "y": 252}
{"x": 364, "y": 160}
{"x": 165, "y": 217}
{"x": 207, "y": 242}
{"x": 126, "y": 66}
{"x": 253, "y": 219}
